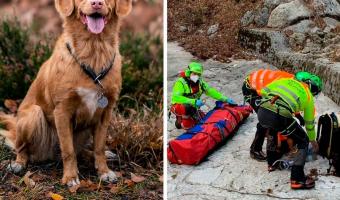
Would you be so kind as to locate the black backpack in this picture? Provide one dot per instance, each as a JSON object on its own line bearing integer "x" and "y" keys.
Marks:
{"x": 328, "y": 138}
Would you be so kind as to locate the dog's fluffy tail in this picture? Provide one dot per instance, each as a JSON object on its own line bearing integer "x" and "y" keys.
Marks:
{"x": 8, "y": 129}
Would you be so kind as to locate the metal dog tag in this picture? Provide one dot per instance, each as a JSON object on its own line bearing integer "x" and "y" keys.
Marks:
{"x": 102, "y": 101}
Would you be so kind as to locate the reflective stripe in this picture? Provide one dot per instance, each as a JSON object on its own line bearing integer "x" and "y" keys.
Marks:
{"x": 307, "y": 90}
{"x": 287, "y": 100}
{"x": 262, "y": 77}
{"x": 310, "y": 129}
{"x": 291, "y": 93}
{"x": 271, "y": 76}
{"x": 267, "y": 89}
{"x": 187, "y": 89}
{"x": 253, "y": 81}
{"x": 290, "y": 103}
{"x": 309, "y": 122}
{"x": 260, "y": 81}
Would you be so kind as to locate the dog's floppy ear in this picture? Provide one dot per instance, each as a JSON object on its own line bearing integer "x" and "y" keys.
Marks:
{"x": 123, "y": 7}
{"x": 64, "y": 7}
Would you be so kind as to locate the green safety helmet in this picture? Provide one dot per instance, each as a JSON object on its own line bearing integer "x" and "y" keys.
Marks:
{"x": 194, "y": 67}
{"x": 314, "y": 82}
{"x": 302, "y": 76}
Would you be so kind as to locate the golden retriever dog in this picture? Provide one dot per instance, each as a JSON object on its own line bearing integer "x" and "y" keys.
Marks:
{"x": 74, "y": 92}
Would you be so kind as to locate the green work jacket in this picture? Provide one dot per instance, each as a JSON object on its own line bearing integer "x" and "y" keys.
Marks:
{"x": 182, "y": 92}
{"x": 299, "y": 98}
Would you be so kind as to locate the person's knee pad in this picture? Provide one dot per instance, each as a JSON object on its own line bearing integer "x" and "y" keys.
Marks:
{"x": 182, "y": 109}
{"x": 187, "y": 123}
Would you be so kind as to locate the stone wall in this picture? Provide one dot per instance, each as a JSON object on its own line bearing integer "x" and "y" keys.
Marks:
{"x": 298, "y": 35}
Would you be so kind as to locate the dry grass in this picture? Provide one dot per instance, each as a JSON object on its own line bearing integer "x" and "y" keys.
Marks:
{"x": 198, "y": 16}
{"x": 137, "y": 140}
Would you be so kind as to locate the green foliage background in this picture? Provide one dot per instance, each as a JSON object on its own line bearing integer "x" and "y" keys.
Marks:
{"x": 21, "y": 58}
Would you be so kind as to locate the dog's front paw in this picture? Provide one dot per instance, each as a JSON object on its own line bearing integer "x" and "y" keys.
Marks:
{"x": 15, "y": 167}
{"x": 72, "y": 182}
{"x": 109, "y": 176}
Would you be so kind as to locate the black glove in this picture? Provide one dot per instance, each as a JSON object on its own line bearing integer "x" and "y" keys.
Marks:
{"x": 300, "y": 118}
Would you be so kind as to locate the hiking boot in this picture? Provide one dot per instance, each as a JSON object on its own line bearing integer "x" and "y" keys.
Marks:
{"x": 309, "y": 183}
{"x": 258, "y": 155}
{"x": 271, "y": 168}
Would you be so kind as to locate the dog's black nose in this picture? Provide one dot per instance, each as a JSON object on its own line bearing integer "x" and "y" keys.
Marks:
{"x": 97, "y": 4}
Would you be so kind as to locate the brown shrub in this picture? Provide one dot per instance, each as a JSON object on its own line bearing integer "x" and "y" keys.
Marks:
{"x": 138, "y": 138}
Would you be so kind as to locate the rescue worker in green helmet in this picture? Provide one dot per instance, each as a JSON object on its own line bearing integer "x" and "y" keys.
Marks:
{"x": 280, "y": 100}
{"x": 186, "y": 96}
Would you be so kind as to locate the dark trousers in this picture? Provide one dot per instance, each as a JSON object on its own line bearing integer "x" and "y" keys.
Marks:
{"x": 251, "y": 97}
{"x": 259, "y": 138}
{"x": 277, "y": 123}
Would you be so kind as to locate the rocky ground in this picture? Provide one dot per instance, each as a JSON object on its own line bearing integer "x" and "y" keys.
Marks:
{"x": 230, "y": 173}
{"x": 208, "y": 28}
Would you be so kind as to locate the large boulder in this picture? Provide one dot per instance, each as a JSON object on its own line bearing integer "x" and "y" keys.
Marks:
{"x": 261, "y": 19}
{"x": 289, "y": 13}
{"x": 331, "y": 24}
{"x": 304, "y": 26}
{"x": 327, "y": 7}
{"x": 271, "y": 4}
{"x": 248, "y": 18}
{"x": 284, "y": 14}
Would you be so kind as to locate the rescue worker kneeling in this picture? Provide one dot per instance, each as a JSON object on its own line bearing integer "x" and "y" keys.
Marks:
{"x": 186, "y": 95}
{"x": 281, "y": 99}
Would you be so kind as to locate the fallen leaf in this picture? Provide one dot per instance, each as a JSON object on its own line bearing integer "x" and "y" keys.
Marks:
{"x": 137, "y": 179}
{"x": 119, "y": 174}
{"x": 28, "y": 181}
{"x": 11, "y": 105}
{"x": 129, "y": 182}
{"x": 313, "y": 172}
{"x": 269, "y": 191}
{"x": 38, "y": 177}
{"x": 87, "y": 186}
{"x": 160, "y": 178}
{"x": 55, "y": 196}
{"x": 74, "y": 188}
{"x": 114, "y": 189}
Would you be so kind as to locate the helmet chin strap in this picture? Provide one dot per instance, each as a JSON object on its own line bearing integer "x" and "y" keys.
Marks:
{"x": 315, "y": 93}
{"x": 310, "y": 88}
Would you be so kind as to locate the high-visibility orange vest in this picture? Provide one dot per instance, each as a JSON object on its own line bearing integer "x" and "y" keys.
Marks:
{"x": 262, "y": 77}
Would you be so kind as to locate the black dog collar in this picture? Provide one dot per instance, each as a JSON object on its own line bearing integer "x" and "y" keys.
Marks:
{"x": 88, "y": 69}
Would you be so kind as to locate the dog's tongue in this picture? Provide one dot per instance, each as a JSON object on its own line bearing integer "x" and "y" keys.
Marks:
{"x": 95, "y": 25}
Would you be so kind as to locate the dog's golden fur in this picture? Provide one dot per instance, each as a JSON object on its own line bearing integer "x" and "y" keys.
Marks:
{"x": 60, "y": 107}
